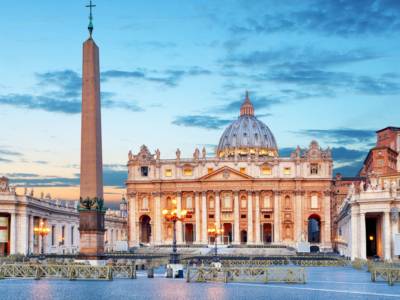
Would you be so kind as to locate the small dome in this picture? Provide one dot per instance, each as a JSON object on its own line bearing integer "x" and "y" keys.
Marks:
{"x": 247, "y": 135}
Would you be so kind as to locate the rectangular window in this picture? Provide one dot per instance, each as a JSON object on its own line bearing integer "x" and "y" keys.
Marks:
{"x": 188, "y": 172}
{"x": 266, "y": 170}
{"x": 227, "y": 202}
{"x": 267, "y": 216}
{"x": 145, "y": 204}
{"x": 314, "y": 169}
{"x": 210, "y": 170}
{"x": 314, "y": 201}
{"x": 243, "y": 216}
{"x": 53, "y": 235}
{"x": 211, "y": 216}
{"x": 243, "y": 170}
{"x": 287, "y": 171}
{"x": 144, "y": 171}
{"x": 267, "y": 202}
{"x": 168, "y": 172}
{"x": 189, "y": 203}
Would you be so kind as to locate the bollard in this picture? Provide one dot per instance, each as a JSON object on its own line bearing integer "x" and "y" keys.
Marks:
{"x": 37, "y": 272}
{"x": 188, "y": 275}
{"x": 150, "y": 273}
{"x": 109, "y": 273}
{"x": 170, "y": 272}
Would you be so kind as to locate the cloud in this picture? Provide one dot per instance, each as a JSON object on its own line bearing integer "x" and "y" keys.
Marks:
{"x": 307, "y": 67}
{"x": 169, "y": 77}
{"x": 201, "y": 121}
{"x": 330, "y": 18}
{"x": 113, "y": 175}
{"x": 340, "y": 135}
{"x": 45, "y": 103}
{"x": 350, "y": 170}
{"x": 301, "y": 56}
{"x": 10, "y": 152}
{"x": 62, "y": 95}
{"x": 5, "y": 160}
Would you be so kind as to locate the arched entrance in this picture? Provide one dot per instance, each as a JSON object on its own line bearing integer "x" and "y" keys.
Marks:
{"x": 145, "y": 229}
{"x": 267, "y": 233}
{"x": 314, "y": 229}
{"x": 227, "y": 233}
{"x": 243, "y": 237}
{"x": 189, "y": 233}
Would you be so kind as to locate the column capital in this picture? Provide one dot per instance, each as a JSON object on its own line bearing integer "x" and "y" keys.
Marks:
{"x": 277, "y": 192}
{"x": 156, "y": 194}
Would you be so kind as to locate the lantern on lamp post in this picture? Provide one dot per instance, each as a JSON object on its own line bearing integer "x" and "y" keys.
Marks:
{"x": 215, "y": 232}
{"x": 42, "y": 231}
{"x": 173, "y": 215}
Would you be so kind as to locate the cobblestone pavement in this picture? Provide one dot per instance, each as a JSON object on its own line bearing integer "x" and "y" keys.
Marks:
{"x": 322, "y": 283}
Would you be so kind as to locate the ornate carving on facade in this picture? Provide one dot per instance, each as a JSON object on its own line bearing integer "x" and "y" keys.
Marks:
{"x": 96, "y": 204}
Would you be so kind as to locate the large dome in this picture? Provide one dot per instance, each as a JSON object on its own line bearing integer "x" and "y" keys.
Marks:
{"x": 247, "y": 135}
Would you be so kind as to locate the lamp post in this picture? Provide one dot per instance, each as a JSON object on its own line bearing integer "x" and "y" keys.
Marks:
{"x": 215, "y": 232}
{"x": 173, "y": 215}
{"x": 41, "y": 230}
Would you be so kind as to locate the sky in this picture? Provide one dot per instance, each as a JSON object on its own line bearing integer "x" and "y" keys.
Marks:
{"x": 174, "y": 73}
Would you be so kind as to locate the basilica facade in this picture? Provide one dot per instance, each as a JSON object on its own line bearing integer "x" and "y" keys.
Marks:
{"x": 256, "y": 196}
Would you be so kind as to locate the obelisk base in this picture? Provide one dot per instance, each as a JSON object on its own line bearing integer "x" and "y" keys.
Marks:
{"x": 91, "y": 228}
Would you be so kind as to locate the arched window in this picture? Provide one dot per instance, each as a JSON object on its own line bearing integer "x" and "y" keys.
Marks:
{"x": 243, "y": 202}
{"x": 287, "y": 202}
{"x": 314, "y": 229}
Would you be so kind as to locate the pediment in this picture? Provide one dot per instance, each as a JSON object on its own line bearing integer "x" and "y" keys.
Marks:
{"x": 225, "y": 173}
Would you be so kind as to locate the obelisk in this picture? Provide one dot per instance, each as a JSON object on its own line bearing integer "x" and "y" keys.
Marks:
{"x": 91, "y": 211}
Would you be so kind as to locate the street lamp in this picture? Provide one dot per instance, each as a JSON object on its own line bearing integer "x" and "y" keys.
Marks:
{"x": 173, "y": 215}
{"x": 215, "y": 232}
{"x": 42, "y": 231}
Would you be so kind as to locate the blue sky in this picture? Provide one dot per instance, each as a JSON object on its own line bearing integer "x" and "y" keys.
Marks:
{"x": 174, "y": 74}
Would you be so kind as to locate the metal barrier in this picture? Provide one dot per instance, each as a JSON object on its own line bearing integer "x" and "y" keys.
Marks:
{"x": 255, "y": 274}
{"x": 68, "y": 271}
{"x": 391, "y": 275}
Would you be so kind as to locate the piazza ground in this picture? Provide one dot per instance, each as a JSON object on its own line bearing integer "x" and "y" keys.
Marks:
{"x": 322, "y": 282}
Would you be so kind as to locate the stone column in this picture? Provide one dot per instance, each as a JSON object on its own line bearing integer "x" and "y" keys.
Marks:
{"x": 277, "y": 217}
{"x": 179, "y": 237}
{"x": 257, "y": 218}
{"x": 31, "y": 234}
{"x": 204, "y": 218}
{"x": 250, "y": 237}
{"x": 354, "y": 234}
{"x": 363, "y": 246}
{"x": 218, "y": 213}
{"x": 13, "y": 234}
{"x": 23, "y": 230}
{"x": 236, "y": 239}
{"x": 198, "y": 217}
{"x": 158, "y": 220}
{"x": 395, "y": 230}
{"x": 387, "y": 232}
{"x": 297, "y": 216}
{"x": 133, "y": 240}
{"x": 327, "y": 217}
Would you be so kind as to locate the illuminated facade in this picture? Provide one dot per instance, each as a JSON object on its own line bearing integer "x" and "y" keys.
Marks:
{"x": 367, "y": 221}
{"x": 247, "y": 189}
{"x": 21, "y": 214}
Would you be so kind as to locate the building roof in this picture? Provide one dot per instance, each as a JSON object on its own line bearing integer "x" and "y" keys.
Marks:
{"x": 390, "y": 128}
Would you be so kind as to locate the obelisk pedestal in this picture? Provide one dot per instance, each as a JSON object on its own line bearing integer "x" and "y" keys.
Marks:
{"x": 91, "y": 210}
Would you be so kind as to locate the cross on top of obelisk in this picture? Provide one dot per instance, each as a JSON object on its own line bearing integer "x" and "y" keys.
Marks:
{"x": 90, "y": 27}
